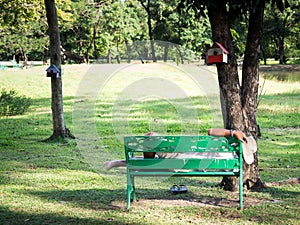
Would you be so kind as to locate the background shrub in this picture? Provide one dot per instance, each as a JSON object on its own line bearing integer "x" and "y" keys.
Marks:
{"x": 12, "y": 104}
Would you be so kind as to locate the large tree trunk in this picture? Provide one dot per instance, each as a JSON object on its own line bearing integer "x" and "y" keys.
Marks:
{"x": 250, "y": 84}
{"x": 59, "y": 128}
{"x": 230, "y": 90}
{"x": 238, "y": 112}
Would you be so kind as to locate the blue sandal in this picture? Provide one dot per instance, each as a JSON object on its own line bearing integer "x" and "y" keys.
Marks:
{"x": 183, "y": 188}
{"x": 175, "y": 189}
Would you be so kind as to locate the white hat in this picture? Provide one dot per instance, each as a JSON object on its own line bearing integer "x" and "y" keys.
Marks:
{"x": 249, "y": 149}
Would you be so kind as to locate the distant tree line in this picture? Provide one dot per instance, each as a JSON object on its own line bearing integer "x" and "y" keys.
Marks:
{"x": 103, "y": 30}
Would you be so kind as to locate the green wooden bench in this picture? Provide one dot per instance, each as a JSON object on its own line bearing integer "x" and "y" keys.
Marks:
{"x": 207, "y": 166}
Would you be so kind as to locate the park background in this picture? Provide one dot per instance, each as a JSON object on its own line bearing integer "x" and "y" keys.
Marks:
{"x": 51, "y": 183}
{"x": 102, "y": 30}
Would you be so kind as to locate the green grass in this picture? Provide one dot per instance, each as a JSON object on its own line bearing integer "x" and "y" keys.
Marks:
{"x": 53, "y": 183}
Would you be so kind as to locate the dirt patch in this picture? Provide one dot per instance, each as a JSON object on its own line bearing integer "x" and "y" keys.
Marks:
{"x": 230, "y": 202}
{"x": 211, "y": 202}
{"x": 291, "y": 181}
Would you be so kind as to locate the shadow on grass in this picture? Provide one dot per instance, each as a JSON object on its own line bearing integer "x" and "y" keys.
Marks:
{"x": 106, "y": 206}
{"x": 95, "y": 199}
{"x": 283, "y": 193}
{"x": 9, "y": 217}
{"x": 107, "y": 199}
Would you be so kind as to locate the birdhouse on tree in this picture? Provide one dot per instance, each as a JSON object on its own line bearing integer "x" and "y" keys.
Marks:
{"x": 217, "y": 54}
{"x": 53, "y": 71}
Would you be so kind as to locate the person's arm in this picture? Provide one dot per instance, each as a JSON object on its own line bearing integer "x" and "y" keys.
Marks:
{"x": 220, "y": 132}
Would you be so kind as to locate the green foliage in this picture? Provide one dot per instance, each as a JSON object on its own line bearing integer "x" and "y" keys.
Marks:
{"x": 281, "y": 31}
{"x": 22, "y": 30}
{"x": 12, "y": 104}
{"x": 121, "y": 24}
{"x": 93, "y": 28}
{"x": 16, "y": 13}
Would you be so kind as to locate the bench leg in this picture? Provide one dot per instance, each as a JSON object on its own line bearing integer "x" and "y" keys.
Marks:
{"x": 133, "y": 189}
{"x": 130, "y": 189}
{"x": 128, "y": 197}
{"x": 241, "y": 190}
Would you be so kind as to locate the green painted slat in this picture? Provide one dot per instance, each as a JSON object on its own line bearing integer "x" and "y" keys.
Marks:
{"x": 205, "y": 163}
{"x": 183, "y": 173}
{"x": 177, "y": 144}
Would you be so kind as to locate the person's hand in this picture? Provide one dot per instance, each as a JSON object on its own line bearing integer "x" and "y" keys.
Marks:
{"x": 240, "y": 136}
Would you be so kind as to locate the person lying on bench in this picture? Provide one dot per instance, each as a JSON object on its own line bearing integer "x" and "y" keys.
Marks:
{"x": 220, "y": 132}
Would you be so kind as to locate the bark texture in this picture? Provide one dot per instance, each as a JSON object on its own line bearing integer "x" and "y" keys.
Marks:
{"x": 230, "y": 89}
{"x": 59, "y": 128}
{"x": 150, "y": 32}
{"x": 239, "y": 102}
{"x": 250, "y": 85}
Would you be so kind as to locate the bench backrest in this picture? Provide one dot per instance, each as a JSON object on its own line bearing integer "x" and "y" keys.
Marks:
{"x": 209, "y": 145}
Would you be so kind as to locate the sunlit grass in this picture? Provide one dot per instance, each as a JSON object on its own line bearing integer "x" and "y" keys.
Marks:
{"x": 44, "y": 183}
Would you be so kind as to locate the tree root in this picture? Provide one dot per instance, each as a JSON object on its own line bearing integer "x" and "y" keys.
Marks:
{"x": 60, "y": 138}
{"x": 260, "y": 185}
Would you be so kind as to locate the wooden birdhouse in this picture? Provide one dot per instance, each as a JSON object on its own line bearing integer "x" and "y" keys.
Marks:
{"x": 53, "y": 71}
{"x": 217, "y": 54}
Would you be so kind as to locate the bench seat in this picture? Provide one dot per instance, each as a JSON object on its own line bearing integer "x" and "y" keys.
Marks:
{"x": 209, "y": 165}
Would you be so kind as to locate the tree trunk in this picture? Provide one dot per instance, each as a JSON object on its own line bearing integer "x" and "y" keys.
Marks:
{"x": 109, "y": 57}
{"x": 45, "y": 55}
{"x": 59, "y": 128}
{"x": 281, "y": 36}
{"x": 96, "y": 56}
{"x": 238, "y": 103}
{"x": 24, "y": 56}
{"x": 250, "y": 84}
{"x": 230, "y": 89}
{"x": 179, "y": 57}
{"x": 166, "y": 52}
{"x": 128, "y": 48}
{"x": 281, "y": 50}
{"x": 228, "y": 77}
{"x": 147, "y": 8}
{"x": 264, "y": 56}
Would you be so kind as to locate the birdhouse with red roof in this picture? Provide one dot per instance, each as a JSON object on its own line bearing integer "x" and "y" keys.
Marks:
{"x": 53, "y": 71}
{"x": 217, "y": 54}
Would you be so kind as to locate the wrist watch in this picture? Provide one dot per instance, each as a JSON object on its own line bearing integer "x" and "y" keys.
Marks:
{"x": 232, "y": 132}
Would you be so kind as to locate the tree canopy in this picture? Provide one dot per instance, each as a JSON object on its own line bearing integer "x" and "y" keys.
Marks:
{"x": 95, "y": 29}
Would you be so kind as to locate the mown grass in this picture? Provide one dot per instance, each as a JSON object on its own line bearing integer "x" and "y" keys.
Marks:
{"x": 55, "y": 183}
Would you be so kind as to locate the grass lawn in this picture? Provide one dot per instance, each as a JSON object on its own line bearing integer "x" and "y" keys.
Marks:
{"x": 65, "y": 183}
